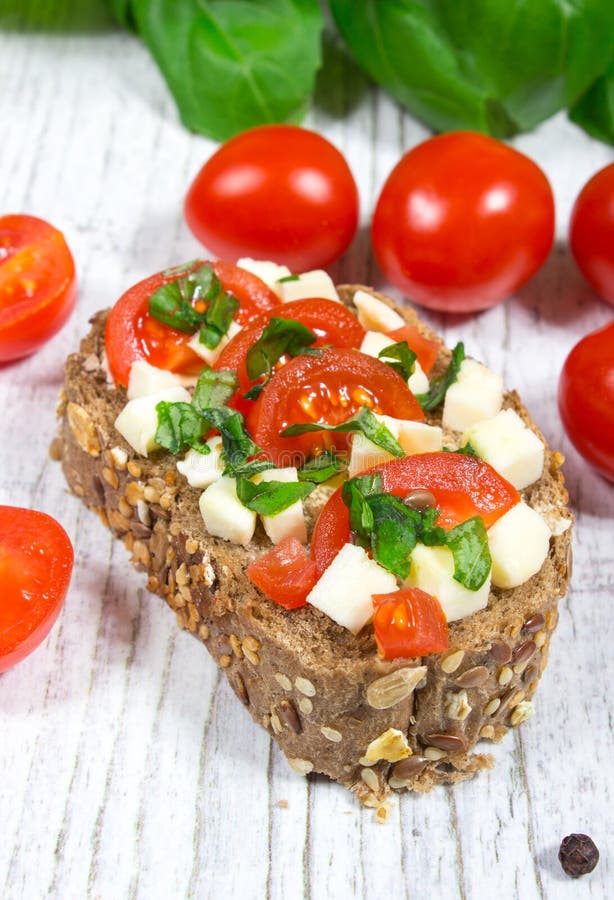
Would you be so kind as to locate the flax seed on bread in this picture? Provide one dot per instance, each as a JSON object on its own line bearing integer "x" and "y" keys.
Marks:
{"x": 324, "y": 694}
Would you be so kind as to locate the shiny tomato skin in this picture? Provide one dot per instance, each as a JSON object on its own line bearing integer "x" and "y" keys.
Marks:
{"x": 275, "y": 192}
{"x": 409, "y": 623}
{"x": 328, "y": 389}
{"x": 463, "y": 486}
{"x": 38, "y": 284}
{"x": 586, "y": 399}
{"x": 131, "y": 333}
{"x": 462, "y": 222}
{"x": 285, "y": 574}
{"x": 36, "y": 559}
{"x": 591, "y": 232}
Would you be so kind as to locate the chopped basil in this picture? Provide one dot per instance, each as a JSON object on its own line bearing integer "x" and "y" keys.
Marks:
{"x": 439, "y": 386}
{"x": 271, "y": 497}
{"x": 280, "y": 337}
{"x": 399, "y": 357}
{"x": 467, "y": 449}
{"x": 255, "y": 391}
{"x": 182, "y": 269}
{"x": 321, "y": 468}
{"x": 365, "y": 422}
{"x": 218, "y": 316}
{"x": 169, "y": 306}
{"x": 288, "y": 278}
{"x": 469, "y": 544}
{"x": 180, "y": 426}
{"x": 355, "y": 492}
{"x": 214, "y": 388}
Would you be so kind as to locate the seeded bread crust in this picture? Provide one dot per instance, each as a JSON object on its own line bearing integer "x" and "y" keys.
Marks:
{"x": 322, "y": 693}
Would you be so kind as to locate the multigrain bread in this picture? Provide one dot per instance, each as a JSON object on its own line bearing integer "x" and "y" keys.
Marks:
{"x": 324, "y": 694}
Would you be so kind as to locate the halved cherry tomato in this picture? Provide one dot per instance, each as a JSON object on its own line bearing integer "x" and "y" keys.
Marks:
{"x": 286, "y": 574}
{"x": 132, "y": 334}
{"x": 426, "y": 351}
{"x": 36, "y": 559}
{"x": 328, "y": 389}
{"x": 409, "y": 622}
{"x": 38, "y": 287}
{"x": 463, "y": 486}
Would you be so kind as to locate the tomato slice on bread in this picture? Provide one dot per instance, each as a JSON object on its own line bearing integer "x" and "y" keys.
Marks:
{"x": 409, "y": 622}
{"x": 285, "y": 574}
{"x": 425, "y": 349}
{"x": 463, "y": 486}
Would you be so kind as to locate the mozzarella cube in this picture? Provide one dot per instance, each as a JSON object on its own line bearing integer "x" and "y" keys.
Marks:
{"x": 418, "y": 382}
{"x": 223, "y": 513}
{"x": 345, "y": 589}
{"x": 432, "y": 570}
{"x": 138, "y": 420}
{"x": 374, "y": 315}
{"x": 375, "y": 341}
{"x": 211, "y": 355}
{"x": 365, "y": 454}
{"x": 269, "y": 272}
{"x": 519, "y": 542}
{"x": 290, "y": 522}
{"x": 476, "y": 394}
{"x": 317, "y": 283}
{"x": 202, "y": 469}
{"x": 145, "y": 379}
{"x": 509, "y": 446}
{"x": 418, "y": 437}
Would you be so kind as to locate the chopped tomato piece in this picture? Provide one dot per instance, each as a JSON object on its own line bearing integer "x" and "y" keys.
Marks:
{"x": 285, "y": 574}
{"x": 409, "y": 622}
{"x": 425, "y": 350}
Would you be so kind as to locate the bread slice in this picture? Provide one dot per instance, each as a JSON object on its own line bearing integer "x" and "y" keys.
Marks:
{"x": 324, "y": 694}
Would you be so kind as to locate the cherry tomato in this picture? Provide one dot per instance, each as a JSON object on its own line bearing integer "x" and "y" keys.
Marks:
{"x": 38, "y": 286}
{"x": 409, "y": 622}
{"x": 586, "y": 399}
{"x": 327, "y": 389}
{"x": 275, "y": 192}
{"x": 591, "y": 232}
{"x": 463, "y": 486}
{"x": 36, "y": 559}
{"x": 462, "y": 222}
{"x": 285, "y": 574}
{"x": 132, "y": 334}
{"x": 426, "y": 351}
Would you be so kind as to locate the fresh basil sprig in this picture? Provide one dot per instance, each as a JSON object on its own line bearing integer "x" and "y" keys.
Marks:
{"x": 279, "y": 338}
{"x": 365, "y": 422}
{"x": 321, "y": 468}
{"x": 214, "y": 388}
{"x": 399, "y": 357}
{"x": 469, "y": 545}
{"x": 437, "y": 391}
{"x": 268, "y": 498}
{"x": 180, "y": 426}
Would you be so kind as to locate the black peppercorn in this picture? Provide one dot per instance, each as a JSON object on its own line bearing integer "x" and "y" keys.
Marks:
{"x": 578, "y": 855}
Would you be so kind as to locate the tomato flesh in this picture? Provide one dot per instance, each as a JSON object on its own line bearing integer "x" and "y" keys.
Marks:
{"x": 38, "y": 286}
{"x": 426, "y": 351}
{"x": 328, "y": 389}
{"x": 409, "y": 623}
{"x": 36, "y": 559}
{"x": 591, "y": 232}
{"x": 285, "y": 574}
{"x": 463, "y": 486}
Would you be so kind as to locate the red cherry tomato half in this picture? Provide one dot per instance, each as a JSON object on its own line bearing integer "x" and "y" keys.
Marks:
{"x": 409, "y": 622}
{"x": 462, "y": 222}
{"x": 38, "y": 286}
{"x": 586, "y": 399}
{"x": 327, "y": 389}
{"x": 426, "y": 351}
{"x": 132, "y": 334}
{"x": 591, "y": 232}
{"x": 275, "y": 192}
{"x": 36, "y": 559}
{"x": 463, "y": 486}
{"x": 285, "y": 574}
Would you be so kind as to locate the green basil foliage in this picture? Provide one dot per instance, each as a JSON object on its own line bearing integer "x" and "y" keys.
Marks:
{"x": 279, "y": 338}
{"x": 321, "y": 468}
{"x": 365, "y": 422}
{"x": 214, "y": 388}
{"x": 180, "y": 426}
{"x": 399, "y": 357}
{"x": 271, "y": 497}
{"x": 469, "y": 545}
{"x": 437, "y": 390}
{"x": 595, "y": 109}
{"x": 467, "y": 450}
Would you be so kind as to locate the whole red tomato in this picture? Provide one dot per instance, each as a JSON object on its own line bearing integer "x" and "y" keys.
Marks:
{"x": 462, "y": 222}
{"x": 591, "y": 232}
{"x": 586, "y": 399}
{"x": 275, "y": 192}
{"x": 38, "y": 287}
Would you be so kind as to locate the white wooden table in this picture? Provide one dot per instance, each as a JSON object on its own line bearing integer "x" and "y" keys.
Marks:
{"x": 128, "y": 768}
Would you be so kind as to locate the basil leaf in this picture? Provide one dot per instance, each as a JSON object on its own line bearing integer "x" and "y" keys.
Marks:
{"x": 238, "y": 447}
{"x": 180, "y": 425}
{"x": 395, "y": 532}
{"x": 218, "y": 316}
{"x": 280, "y": 337}
{"x": 232, "y": 64}
{"x": 172, "y": 303}
{"x": 439, "y": 386}
{"x": 365, "y": 422}
{"x": 399, "y": 357}
{"x": 255, "y": 391}
{"x": 354, "y": 494}
{"x": 169, "y": 305}
{"x": 181, "y": 269}
{"x": 595, "y": 110}
{"x": 202, "y": 283}
{"x": 288, "y": 278}
{"x": 271, "y": 497}
{"x": 321, "y": 468}
{"x": 469, "y": 544}
{"x": 466, "y": 449}
{"x": 214, "y": 388}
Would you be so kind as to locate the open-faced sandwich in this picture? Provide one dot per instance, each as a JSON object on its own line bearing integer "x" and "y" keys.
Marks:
{"x": 369, "y": 535}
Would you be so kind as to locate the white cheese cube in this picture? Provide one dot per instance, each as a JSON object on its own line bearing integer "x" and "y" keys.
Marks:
{"x": 209, "y": 355}
{"x": 418, "y": 437}
{"x": 290, "y": 522}
{"x": 345, "y": 590}
{"x": 375, "y": 315}
{"x": 476, "y": 394}
{"x": 146, "y": 379}
{"x": 202, "y": 469}
{"x": 364, "y": 454}
{"x": 375, "y": 341}
{"x": 316, "y": 283}
{"x": 269, "y": 272}
{"x": 519, "y": 542}
{"x": 432, "y": 570}
{"x": 509, "y": 446}
{"x": 223, "y": 513}
{"x": 418, "y": 382}
{"x": 138, "y": 420}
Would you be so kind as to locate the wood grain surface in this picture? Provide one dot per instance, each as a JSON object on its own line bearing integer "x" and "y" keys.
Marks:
{"x": 128, "y": 768}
